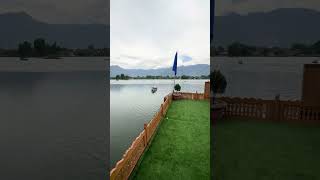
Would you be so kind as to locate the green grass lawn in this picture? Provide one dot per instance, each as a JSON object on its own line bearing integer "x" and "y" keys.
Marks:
{"x": 180, "y": 149}
{"x": 266, "y": 151}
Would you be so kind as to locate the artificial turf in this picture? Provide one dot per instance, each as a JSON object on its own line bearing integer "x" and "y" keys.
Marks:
{"x": 180, "y": 148}
{"x": 252, "y": 150}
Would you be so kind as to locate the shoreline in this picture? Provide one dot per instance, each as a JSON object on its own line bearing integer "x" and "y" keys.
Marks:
{"x": 13, "y": 64}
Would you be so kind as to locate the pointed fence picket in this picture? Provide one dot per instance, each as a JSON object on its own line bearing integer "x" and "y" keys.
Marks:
{"x": 274, "y": 110}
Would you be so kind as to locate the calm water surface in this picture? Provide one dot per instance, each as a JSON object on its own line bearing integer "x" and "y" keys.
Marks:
{"x": 132, "y": 104}
{"x": 53, "y": 125}
{"x": 263, "y": 77}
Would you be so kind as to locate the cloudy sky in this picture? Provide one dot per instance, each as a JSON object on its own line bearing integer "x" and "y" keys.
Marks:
{"x": 146, "y": 34}
{"x": 61, "y": 11}
{"x": 246, "y": 6}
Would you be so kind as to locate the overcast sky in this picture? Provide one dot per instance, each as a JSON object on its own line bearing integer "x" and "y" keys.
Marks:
{"x": 61, "y": 11}
{"x": 245, "y": 6}
{"x": 146, "y": 34}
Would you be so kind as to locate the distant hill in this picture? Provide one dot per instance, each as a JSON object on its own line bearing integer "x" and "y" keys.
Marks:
{"x": 280, "y": 27}
{"x": 192, "y": 70}
{"x": 17, "y": 27}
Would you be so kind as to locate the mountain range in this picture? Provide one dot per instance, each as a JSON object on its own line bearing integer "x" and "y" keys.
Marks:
{"x": 19, "y": 26}
{"x": 192, "y": 70}
{"x": 280, "y": 27}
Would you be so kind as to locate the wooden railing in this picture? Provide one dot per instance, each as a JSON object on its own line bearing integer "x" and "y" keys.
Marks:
{"x": 270, "y": 109}
{"x": 125, "y": 166}
{"x": 193, "y": 96}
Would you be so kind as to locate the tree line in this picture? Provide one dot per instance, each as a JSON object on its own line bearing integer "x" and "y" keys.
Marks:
{"x": 238, "y": 49}
{"x": 126, "y": 77}
{"x": 39, "y": 48}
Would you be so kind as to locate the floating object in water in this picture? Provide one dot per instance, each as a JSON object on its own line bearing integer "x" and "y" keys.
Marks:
{"x": 24, "y": 59}
{"x": 52, "y": 57}
{"x": 240, "y": 62}
{"x": 154, "y": 89}
{"x": 315, "y": 61}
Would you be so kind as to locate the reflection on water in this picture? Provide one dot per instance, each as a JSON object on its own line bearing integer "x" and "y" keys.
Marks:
{"x": 263, "y": 77}
{"x": 53, "y": 125}
{"x": 132, "y": 104}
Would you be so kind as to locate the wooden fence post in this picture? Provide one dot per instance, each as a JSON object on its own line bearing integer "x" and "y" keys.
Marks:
{"x": 161, "y": 109}
{"x": 146, "y": 136}
{"x": 277, "y": 109}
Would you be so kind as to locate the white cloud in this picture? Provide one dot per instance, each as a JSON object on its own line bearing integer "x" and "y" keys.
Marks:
{"x": 152, "y": 31}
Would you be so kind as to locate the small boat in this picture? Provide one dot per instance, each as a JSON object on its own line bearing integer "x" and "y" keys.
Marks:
{"x": 315, "y": 61}
{"x": 240, "y": 62}
{"x": 154, "y": 89}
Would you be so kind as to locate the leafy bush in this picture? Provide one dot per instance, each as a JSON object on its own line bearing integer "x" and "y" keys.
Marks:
{"x": 218, "y": 82}
{"x": 177, "y": 87}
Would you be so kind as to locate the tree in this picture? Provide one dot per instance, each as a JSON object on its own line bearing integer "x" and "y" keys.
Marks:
{"x": 238, "y": 49}
{"x": 91, "y": 47}
{"x": 184, "y": 77}
{"x": 301, "y": 48}
{"x": 212, "y": 51}
{"x": 316, "y": 47}
{"x": 220, "y": 49}
{"x": 40, "y": 47}
{"x": 218, "y": 82}
{"x": 218, "y": 85}
{"x": 177, "y": 87}
{"x": 25, "y": 49}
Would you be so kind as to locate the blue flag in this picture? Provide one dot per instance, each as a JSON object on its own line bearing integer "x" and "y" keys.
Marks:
{"x": 174, "y": 67}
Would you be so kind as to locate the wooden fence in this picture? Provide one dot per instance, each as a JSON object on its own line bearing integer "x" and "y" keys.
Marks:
{"x": 193, "y": 96}
{"x": 275, "y": 110}
{"x": 125, "y": 166}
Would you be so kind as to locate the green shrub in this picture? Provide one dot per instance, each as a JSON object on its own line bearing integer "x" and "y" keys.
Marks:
{"x": 177, "y": 87}
{"x": 218, "y": 82}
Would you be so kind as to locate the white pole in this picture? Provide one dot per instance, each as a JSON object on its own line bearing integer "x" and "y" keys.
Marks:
{"x": 174, "y": 82}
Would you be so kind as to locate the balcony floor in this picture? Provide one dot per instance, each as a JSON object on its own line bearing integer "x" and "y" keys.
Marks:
{"x": 180, "y": 149}
{"x": 266, "y": 150}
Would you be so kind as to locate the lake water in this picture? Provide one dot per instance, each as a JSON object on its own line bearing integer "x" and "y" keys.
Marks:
{"x": 263, "y": 77}
{"x": 54, "y": 125}
{"x": 132, "y": 104}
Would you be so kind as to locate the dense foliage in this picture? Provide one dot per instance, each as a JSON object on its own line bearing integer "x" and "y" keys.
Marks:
{"x": 41, "y": 48}
{"x": 177, "y": 87}
{"x": 125, "y": 77}
{"x": 237, "y": 49}
{"x": 218, "y": 82}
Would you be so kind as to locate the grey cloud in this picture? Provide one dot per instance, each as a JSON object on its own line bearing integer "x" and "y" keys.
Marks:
{"x": 61, "y": 11}
{"x": 150, "y": 32}
{"x": 247, "y": 6}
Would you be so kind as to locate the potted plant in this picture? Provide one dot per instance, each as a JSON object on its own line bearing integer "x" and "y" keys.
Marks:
{"x": 177, "y": 87}
{"x": 176, "y": 94}
{"x": 219, "y": 85}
